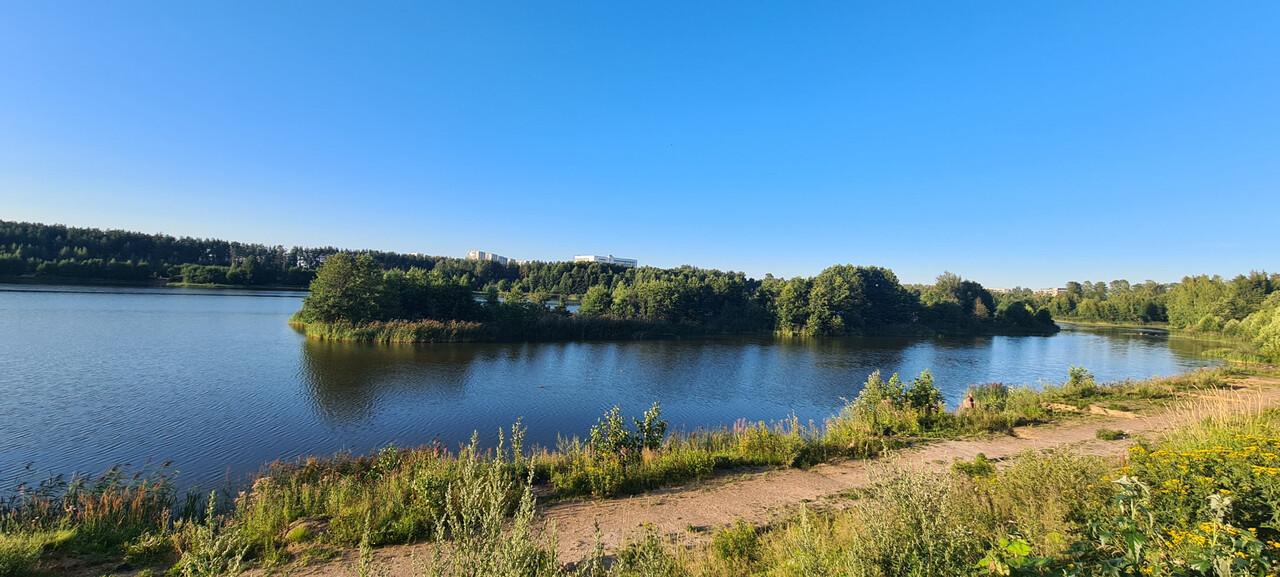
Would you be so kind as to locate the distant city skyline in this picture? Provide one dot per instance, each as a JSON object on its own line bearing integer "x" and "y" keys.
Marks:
{"x": 1012, "y": 143}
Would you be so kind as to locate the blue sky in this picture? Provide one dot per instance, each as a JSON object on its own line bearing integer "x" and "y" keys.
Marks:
{"x": 1015, "y": 143}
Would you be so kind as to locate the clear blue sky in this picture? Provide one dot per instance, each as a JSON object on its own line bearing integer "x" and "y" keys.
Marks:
{"x": 1014, "y": 143}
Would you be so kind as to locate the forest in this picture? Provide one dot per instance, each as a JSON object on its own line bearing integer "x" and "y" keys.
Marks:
{"x": 1245, "y": 308}
{"x": 353, "y": 297}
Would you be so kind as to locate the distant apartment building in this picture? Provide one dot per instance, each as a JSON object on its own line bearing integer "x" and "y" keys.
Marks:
{"x": 482, "y": 255}
{"x": 610, "y": 259}
{"x": 1053, "y": 292}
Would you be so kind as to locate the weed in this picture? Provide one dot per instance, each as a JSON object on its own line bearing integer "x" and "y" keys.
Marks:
{"x": 212, "y": 549}
{"x": 978, "y": 467}
{"x": 646, "y": 558}
{"x": 471, "y": 535}
{"x": 1105, "y": 434}
{"x": 737, "y": 543}
{"x": 20, "y": 551}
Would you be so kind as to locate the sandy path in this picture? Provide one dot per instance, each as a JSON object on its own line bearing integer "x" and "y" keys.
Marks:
{"x": 763, "y": 496}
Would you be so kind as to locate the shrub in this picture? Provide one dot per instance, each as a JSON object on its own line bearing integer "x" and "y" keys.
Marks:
{"x": 19, "y": 551}
{"x": 913, "y": 524}
{"x": 473, "y": 537}
{"x": 646, "y": 558}
{"x": 1110, "y": 434}
{"x": 212, "y": 548}
{"x": 1080, "y": 383}
{"x": 978, "y": 467}
{"x": 737, "y": 543}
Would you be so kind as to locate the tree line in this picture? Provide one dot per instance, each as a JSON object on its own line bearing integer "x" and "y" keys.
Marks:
{"x": 1246, "y": 307}
{"x": 355, "y": 289}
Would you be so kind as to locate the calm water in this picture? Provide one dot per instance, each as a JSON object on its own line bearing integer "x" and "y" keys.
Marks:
{"x": 218, "y": 383}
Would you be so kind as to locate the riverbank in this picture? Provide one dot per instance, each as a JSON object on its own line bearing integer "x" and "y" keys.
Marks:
{"x": 1234, "y": 349}
{"x": 570, "y": 327}
{"x": 319, "y": 508}
{"x": 1164, "y": 326}
{"x": 544, "y": 328}
{"x": 1052, "y": 488}
{"x": 149, "y": 283}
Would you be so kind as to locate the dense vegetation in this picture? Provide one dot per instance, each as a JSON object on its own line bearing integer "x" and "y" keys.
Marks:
{"x": 477, "y": 505}
{"x": 431, "y": 298}
{"x": 1245, "y": 309}
{"x": 1200, "y": 501}
{"x": 353, "y": 298}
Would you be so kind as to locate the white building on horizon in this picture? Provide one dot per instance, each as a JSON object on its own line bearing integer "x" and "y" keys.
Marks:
{"x": 482, "y": 255}
{"x": 610, "y": 259}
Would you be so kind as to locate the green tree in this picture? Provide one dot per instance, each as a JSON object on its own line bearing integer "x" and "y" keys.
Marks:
{"x": 347, "y": 288}
{"x": 597, "y": 301}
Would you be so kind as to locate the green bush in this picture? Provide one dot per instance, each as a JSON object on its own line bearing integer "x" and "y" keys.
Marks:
{"x": 978, "y": 467}
{"x": 19, "y": 551}
{"x": 737, "y": 543}
{"x": 1110, "y": 434}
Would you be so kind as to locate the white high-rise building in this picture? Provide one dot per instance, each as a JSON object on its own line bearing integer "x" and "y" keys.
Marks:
{"x": 610, "y": 259}
{"x": 482, "y": 255}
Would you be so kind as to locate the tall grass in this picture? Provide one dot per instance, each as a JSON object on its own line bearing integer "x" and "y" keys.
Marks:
{"x": 81, "y": 515}
{"x": 322, "y": 506}
{"x": 543, "y": 328}
{"x": 423, "y": 331}
{"x": 1200, "y": 501}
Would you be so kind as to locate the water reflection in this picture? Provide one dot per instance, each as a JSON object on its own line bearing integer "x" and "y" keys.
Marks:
{"x": 219, "y": 383}
{"x": 414, "y": 393}
{"x": 347, "y": 380}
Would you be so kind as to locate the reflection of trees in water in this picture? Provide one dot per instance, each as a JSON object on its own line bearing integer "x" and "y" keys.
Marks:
{"x": 347, "y": 380}
{"x": 741, "y": 368}
{"x": 1185, "y": 347}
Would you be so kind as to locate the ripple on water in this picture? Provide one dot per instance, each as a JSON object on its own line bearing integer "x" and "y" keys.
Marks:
{"x": 220, "y": 384}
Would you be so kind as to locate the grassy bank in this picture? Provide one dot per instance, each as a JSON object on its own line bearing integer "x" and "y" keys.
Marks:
{"x": 546, "y": 328}
{"x": 569, "y": 327}
{"x": 243, "y": 287}
{"x": 1234, "y": 348}
{"x": 320, "y": 507}
{"x": 1201, "y": 501}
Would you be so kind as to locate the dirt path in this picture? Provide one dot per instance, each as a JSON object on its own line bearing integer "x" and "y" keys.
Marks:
{"x": 687, "y": 514}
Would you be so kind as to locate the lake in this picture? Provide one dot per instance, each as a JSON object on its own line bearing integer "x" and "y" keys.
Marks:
{"x": 217, "y": 382}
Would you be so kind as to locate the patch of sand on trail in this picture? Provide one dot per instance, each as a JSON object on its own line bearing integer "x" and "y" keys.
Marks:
{"x": 688, "y": 514}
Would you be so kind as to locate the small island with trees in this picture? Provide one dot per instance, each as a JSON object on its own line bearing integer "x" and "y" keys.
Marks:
{"x": 354, "y": 298}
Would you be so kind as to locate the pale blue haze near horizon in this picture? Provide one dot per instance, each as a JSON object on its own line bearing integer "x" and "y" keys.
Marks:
{"x": 1014, "y": 143}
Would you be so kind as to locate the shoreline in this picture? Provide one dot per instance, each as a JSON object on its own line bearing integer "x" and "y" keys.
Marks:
{"x": 667, "y": 502}
{"x": 153, "y": 283}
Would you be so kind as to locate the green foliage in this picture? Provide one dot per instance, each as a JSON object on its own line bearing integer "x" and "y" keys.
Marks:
{"x": 916, "y": 526}
{"x": 892, "y": 407}
{"x": 610, "y": 434}
{"x": 597, "y": 301}
{"x": 1244, "y": 311}
{"x": 347, "y": 289}
{"x": 473, "y": 537}
{"x": 106, "y": 512}
{"x": 1080, "y": 383}
{"x": 19, "y": 551}
{"x": 1201, "y": 502}
{"x": 1012, "y": 556}
{"x": 978, "y": 467}
{"x": 1105, "y": 434}
{"x": 737, "y": 543}
{"x": 149, "y": 548}
{"x": 211, "y": 549}
{"x": 646, "y": 558}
